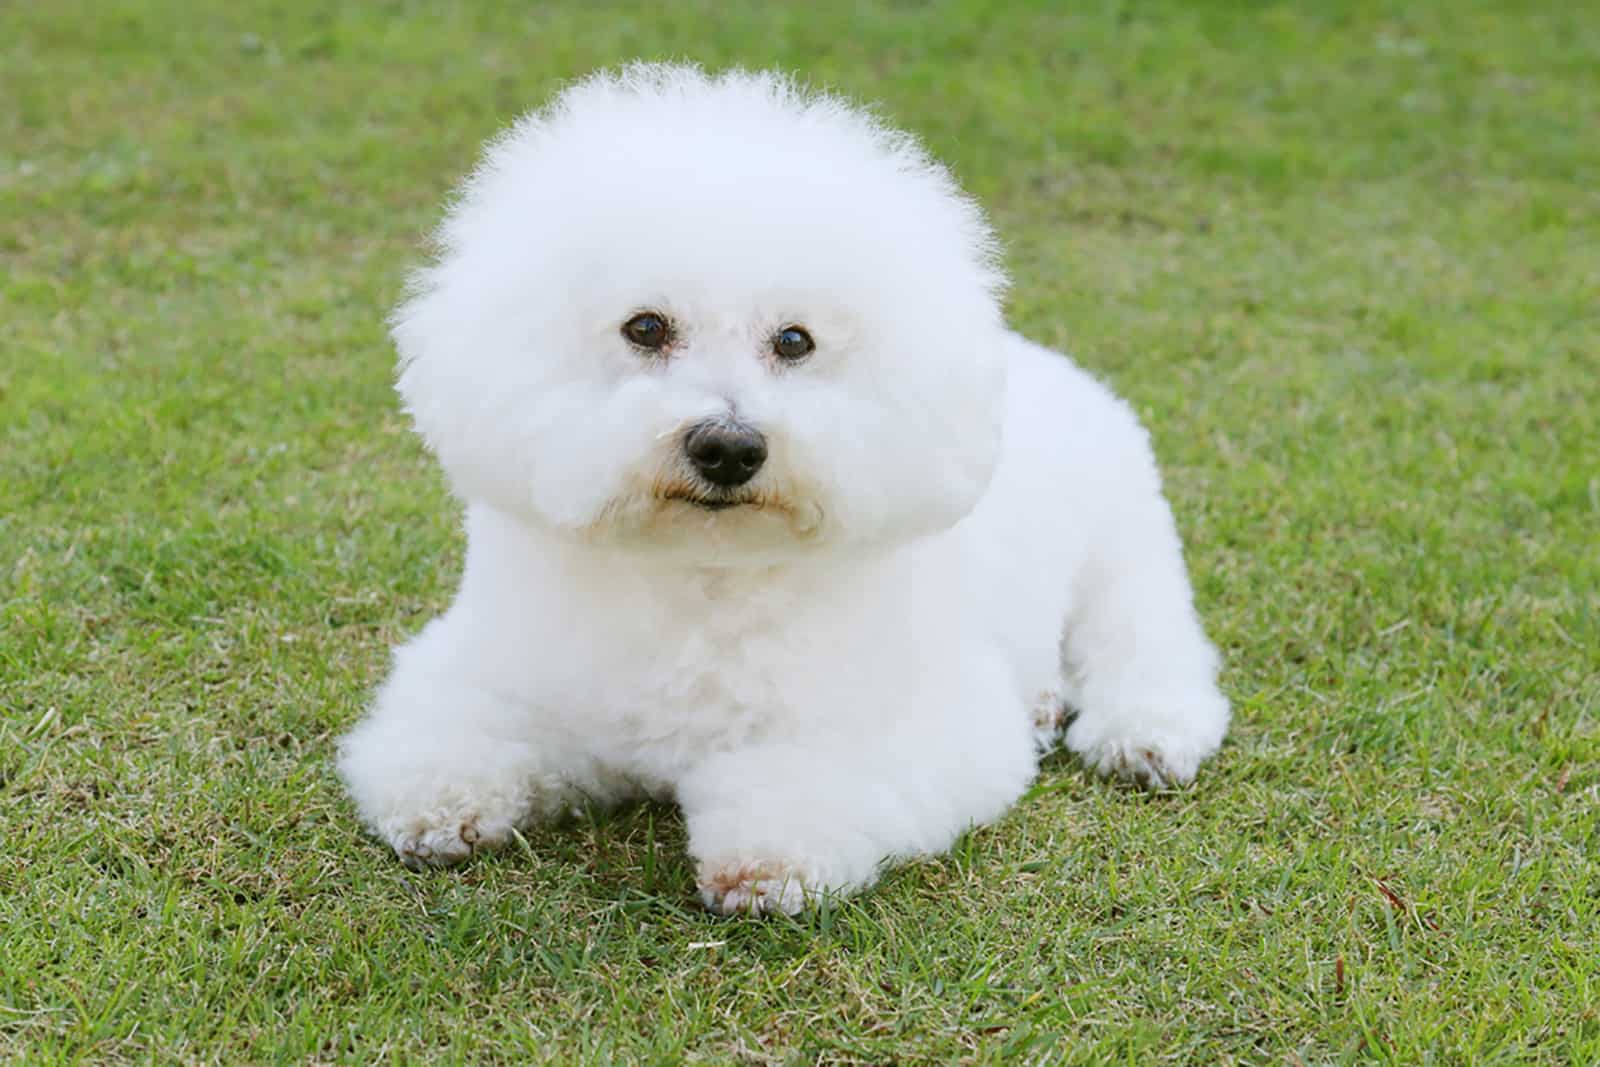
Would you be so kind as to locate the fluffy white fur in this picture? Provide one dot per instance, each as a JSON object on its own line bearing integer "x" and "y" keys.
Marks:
{"x": 955, "y": 535}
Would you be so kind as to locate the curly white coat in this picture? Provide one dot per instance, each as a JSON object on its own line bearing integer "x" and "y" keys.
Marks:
{"x": 955, "y": 534}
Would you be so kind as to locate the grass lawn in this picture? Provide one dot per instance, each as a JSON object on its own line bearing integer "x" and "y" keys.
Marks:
{"x": 1344, "y": 257}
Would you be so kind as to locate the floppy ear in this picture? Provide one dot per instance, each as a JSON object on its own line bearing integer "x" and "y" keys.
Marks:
{"x": 466, "y": 399}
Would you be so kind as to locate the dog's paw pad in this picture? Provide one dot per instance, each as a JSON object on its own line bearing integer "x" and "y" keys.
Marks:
{"x": 752, "y": 889}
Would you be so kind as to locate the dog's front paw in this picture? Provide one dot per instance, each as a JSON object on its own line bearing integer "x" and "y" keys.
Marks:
{"x": 1148, "y": 763}
{"x": 446, "y": 842}
{"x": 1154, "y": 752}
{"x": 752, "y": 888}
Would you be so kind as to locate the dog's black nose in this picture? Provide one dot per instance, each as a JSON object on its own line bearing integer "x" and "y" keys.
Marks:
{"x": 725, "y": 454}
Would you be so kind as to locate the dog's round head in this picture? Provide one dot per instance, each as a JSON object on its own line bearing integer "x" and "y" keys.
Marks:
{"x": 713, "y": 315}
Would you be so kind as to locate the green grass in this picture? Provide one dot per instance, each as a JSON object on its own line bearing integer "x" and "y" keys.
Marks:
{"x": 1344, "y": 257}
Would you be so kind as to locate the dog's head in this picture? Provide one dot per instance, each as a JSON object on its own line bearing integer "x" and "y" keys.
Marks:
{"x": 710, "y": 314}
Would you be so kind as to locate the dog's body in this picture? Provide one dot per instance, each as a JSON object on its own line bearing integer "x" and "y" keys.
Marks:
{"x": 851, "y": 651}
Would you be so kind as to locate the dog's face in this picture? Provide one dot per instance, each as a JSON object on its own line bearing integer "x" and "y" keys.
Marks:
{"x": 711, "y": 317}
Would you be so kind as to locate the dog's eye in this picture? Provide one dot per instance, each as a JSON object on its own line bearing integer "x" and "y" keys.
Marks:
{"x": 648, "y": 330}
{"x": 792, "y": 343}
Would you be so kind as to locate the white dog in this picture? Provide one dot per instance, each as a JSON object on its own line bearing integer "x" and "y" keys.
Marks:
{"x": 767, "y": 511}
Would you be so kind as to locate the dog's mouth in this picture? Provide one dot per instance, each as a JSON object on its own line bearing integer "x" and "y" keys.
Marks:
{"x": 748, "y": 507}
{"x": 711, "y": 501}
{"x": 754, "y": 499}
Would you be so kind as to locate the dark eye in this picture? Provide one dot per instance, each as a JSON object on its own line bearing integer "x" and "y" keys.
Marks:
{"x": 648, "y": 330}
{"x": 792, "y": 343}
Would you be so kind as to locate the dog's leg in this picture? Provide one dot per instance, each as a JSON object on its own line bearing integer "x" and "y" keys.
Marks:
{"x": 775, "y": 826}
{"x": 441, "y": 769}
{"x": 1138, "y": 667}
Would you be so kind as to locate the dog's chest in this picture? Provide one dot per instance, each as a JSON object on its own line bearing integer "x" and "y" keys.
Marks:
{"x": 701, "y": 673}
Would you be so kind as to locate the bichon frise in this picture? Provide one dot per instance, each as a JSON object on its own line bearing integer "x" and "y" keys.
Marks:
{"x": 767, "y": 511}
